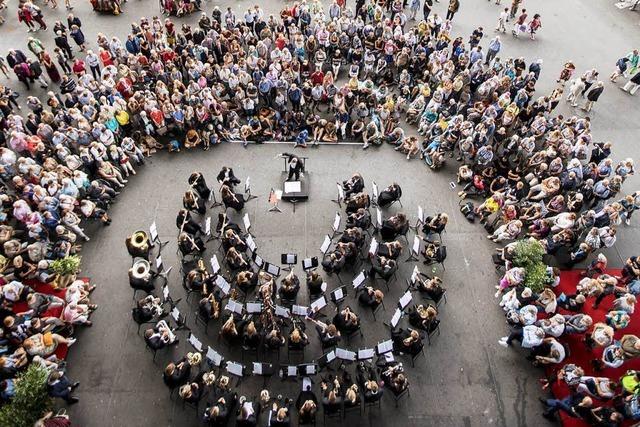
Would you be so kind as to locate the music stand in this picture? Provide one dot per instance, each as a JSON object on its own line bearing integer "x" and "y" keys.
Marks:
{"x": 310, "y": 263}
{"x": 212, "y": 196}
{"x": 340, "y": 197}
{"x": 272, "y": 269}
{"x": 326, "y": 359}
{"x": 257, "y": 260}
{"x": 247, "y": 223}
{"x": 264, "y": 370}
{"x": 236, "y": 369}
{"x": 195, "y": 342}
{"x": 378, "y": 225}
{"x": 251, "y": 244}
{"x": 338, "y": 295}
{"x": 325, "y": 244}
{"x": 274, "y": 197}
{"x": 420, "y": 220}
{"x": 155, "y": 238}
{"x": 179, "y": 318}
{"x": 336, "y": 225}
{"x": 415, "y": 249}
{"x": 288, "y": 372}
{"x": 207, "y": 230}
{"x": 214, "y": 358}
{"x": 247, "y": 189}
{"x": 289, "y": 259}
{"x": 374, "y": 193}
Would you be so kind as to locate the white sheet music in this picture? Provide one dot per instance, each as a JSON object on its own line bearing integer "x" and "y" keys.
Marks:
{"x": 195, "y": 342}
{"x": 291, "y": 258}
{"x": 374, "y": 190}
{"x": 306, "y": 383}
{"x": 215, "y": 265}
{"x": 175, "y": 313}
{"x": 234, "y": 306}
{"x": 153, "y": 231}
{"x": 207, "y": 226}
{"x": 420, "y": 215}
{"x": 278, "y": 194}
{"x": 415, "y": 274}
{"x": 379, "y": 217}
{"x": 307, "y": 369}
{"x": 292, "y": 187}
{"x": 373, "y": 247}
{"x": 307, "y": 263}
{"x": 336, "y": 222}
{"x": 246, "y": 222}
{"x": 416, "y": 245}
{"x": 257, "y": 368}
{"x": 395, "y": 319}
{"x": 343, "y": 354}
{"x": 325, "y": 245}
{"x": 300, "y": 310}
{"x": 214, "y": 357}
{"x": 273, "y": 269}
{"x": 258, "y": 260}
{"x": 222, "y": 283}
{"x": 384, "y": 347}
{"x": 282, "y": 311}
{"x": 324, "y": 286}
{"x": 338, "y": 294}
{"x": 319, "y": 304}
{"x": 247, "y": 185}
{"x": 251, "y": 244}
{"x": 388, "y": 357}
{"x": 159, "y": 263}
{"x": 292, "y": 371}
{"x": 331, "y": 356}
{"x": 234, "y": 368}
{"x": 359, "y": 280}
{"x": 165, "y": 292}
{"x": 254, "y": 307}
{"x": 340, "y": 192}
{"x": 366, "y": 354}
{"x": 405, "y": 300}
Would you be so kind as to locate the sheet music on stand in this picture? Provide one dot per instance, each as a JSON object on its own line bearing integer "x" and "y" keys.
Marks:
{"x": 289, "y": 371}
{"x": 323, "y": 286}
{"x": 273, "y": 269}
{"x": 325, "y": 245}
{"x": 292, "y": 187}
{"x": 340, "y": 192}
{"x": 307, "y": 369}
{"x": 234, "y": 307}
{"x": 384, "y": 347}
{"x": 215, "y": 265}
{"x": 344, "y": 354}
{"x": 175, "y": 313}
{"x": 222, "y": 283}
{"x": 373, "y": 247}
{"x": 336, "y": 222}
{"x": 416, "y": 245}
{"x": 247, "y": 185}
{"x": 251, "y": 244}
{"x": 414, "y": 275}
{"x": 254, "y": 307}
{"x": 388, "y": 357}
{"x": 263, "y": 369}
{"x": 405, "y": 300}
{"x": 319, "y": 304}
{"x": 379, "y": 217}
{"x": 153, "y": 231}
{"x": 282, "y": 312}
{"x": 420, "y": 215}
{"x": 246, "y": 222}
{"x": 395, "y": 319}
{"x": 159, "y": 266}
{"x": 235, "y": 368}
{"x": 309, "y": 263}
{"x": 257, "y": 260}
{"x": 300, "y": 310}
{"x": 374, "y": 191}
{"x": 365, "y": 354}
{"x": 325, "y": 359}
{"x": 207, "y": 226}
{"x": 338, "y": 294}
{"x": 195, "y": 342}
{"x": 165, "y": 293}
{"x": 359, "y": 279}
{"x": 214, "y": 357}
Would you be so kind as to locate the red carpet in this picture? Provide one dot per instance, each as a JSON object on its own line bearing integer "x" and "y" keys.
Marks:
{"x": 579, "y": 353}
{"x": 46, "y": 288}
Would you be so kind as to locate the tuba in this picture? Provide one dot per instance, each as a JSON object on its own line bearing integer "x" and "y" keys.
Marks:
{"x": 141, "y": 269}
{"x": 138, "y": 244}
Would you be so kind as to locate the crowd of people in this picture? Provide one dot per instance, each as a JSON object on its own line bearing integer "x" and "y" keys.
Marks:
{"x": 351, "y": 74}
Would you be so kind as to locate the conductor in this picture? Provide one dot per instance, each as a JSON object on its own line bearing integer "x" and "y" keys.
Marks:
{"x": 294, "y": 165}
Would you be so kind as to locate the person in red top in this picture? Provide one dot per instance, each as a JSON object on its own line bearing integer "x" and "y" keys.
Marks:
{"x": 78, "y": 67}
{"x": 317, "y": 77}
{"x": 519, "y": 26}
{"x": 534, "y": 25}
{"x": 105, "y": 57}
{"x": 24, "y": 15}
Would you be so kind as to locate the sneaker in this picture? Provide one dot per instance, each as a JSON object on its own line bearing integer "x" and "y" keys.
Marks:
{"x": 497, "y": 295}
{"x": 71, "y": 342}
{"x": 627, "y": 221}
{"x": 503, "y": 342}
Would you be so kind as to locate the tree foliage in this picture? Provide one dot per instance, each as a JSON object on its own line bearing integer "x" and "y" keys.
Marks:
{"x": 31, "y": 399}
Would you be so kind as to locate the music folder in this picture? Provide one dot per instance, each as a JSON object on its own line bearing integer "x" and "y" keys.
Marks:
{"x": 153, "y": 231}
{"x": 415, "y": 274}
{"x": 165, "y": 292}
{"x": 373, "y": 247}
{"x": 257, "y": 259}
{"x": 247, "y": 222}
{"x": 310, "y": 263}
{"x": 251, "y": 244}
{"x": 289, "y": 371}
{"x": 379, "y": 217}
{"x": 338, "y": 294}
{"x": 234, "y": 306}
{"x": 215, "y": 265}
{"x": 416, "y": 245}
{"x": 336, "y": 222}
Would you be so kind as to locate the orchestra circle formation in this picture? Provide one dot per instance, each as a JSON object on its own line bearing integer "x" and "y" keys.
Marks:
{"x": 368, "y": 75}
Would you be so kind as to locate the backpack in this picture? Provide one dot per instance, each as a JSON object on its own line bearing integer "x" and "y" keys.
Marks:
{"x": 468, "y": 210}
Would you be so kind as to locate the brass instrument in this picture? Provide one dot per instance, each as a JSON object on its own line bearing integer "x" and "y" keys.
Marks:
{"x": 141, "y": 269}
{"x": 138, "y": 244}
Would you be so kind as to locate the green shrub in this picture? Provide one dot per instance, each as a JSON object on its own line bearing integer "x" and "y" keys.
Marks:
{"x": 536, "y": 277}
{"x": 67, "y": 265}
{"x": 528, "y": 255}
{"x": 31, "y": 399}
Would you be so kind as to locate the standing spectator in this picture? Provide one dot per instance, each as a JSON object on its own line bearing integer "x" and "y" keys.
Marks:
{"x": 502, "y": 20}
{"x": 24, "y": 15}
{"x": 73, "y": 20}
{"x": 494, "y": 47}
{"x": 35, "y": 46}
{"x": 78, "y": 36}
{"x": 36, "y": 73}
{"x": 3, "y": 67}
{"x": 15, "y": 57}
{"x": 590, "y": 77}
{"x": 426, "y": 8}
{"x": 593, "y": 95}
{"x": 93, "y": 61}
{"x": 50, "y": 67}
{"x": 454, "y": 5}
{"x": 23, "y": 73}
{"x": 63, "y": 43}
{"x": 62, "y": 60}
{"x": 415, "y": 5}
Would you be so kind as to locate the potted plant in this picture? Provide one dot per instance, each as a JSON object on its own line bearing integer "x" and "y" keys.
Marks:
{"x": 66, "y": 269}
{"x": 31, "y": 400}
{"x": 529, "y": 254}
